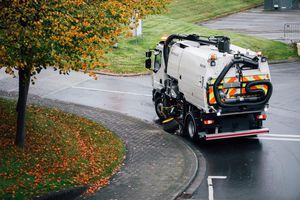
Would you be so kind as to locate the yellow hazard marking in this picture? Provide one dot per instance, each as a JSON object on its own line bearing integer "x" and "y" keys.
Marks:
{"x": 244, "y": 79}
{"x": 232, "y": 92}
{"x": 263, "y": 87}
{"x": 212, "y": 99}
{"x": 167, "y": 120}
{"x": 257, "y": 78}
{"x": 231, "y": 80}
{"x": 243, "y": 91}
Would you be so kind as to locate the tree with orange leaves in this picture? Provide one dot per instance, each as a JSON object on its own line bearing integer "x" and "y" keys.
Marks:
{"x": 65, "y": 34}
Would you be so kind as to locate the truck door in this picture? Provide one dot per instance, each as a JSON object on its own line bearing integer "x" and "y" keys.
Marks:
{"x": 158, "y": 75}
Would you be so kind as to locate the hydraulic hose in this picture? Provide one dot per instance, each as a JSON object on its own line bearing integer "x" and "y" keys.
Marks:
{"x": 262, "y": 97}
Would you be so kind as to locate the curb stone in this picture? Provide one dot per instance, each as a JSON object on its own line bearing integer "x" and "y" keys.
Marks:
{"x": 284, "y": 61}
{"x": 149, "y": 73}
{"x": 99, "y": 72}
{"x": 193, "y": 176}
{"x": 230, "y": 13}
{"x": 199, "y": 175}
{"x": 68, "y": 194}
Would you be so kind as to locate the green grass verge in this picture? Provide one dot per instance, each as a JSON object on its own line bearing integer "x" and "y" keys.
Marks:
{"x": 181, "y": 18}
{"x": 62, "y": 150}
{"x": 200, "y": 10}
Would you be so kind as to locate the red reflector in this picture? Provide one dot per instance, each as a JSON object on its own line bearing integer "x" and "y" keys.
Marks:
{"x": 261, "y": 117}
{"x": 208, "y": 121}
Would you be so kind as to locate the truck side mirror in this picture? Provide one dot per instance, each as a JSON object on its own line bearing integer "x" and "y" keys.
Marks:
{"x": 148, "y": 63}
{"x": 148, "y": 54}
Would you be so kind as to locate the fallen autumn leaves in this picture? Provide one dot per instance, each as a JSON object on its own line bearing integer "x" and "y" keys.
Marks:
{"x": 62, "y": 151}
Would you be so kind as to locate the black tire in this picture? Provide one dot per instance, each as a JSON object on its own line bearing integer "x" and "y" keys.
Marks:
{"x": 159, "y": 109}
{"x": 170, "y": 126}
{"x": 191, "y": 128}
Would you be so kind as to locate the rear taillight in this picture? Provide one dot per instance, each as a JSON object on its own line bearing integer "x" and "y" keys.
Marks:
{"x": 208, "y": 121}
{"x": 261, "y": 117}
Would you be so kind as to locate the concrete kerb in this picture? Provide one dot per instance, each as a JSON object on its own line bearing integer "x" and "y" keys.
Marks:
{"x": 68, "y": 194}
{"x": 183, "y": 190}
{"x": 199, "y": 174}
{"x": 284, "y": 61}
{"x": 64, "y": 194}
{"x": 149, "y": 73}
{"x": 230, "y": 13}
{"x": 99, "y": 72}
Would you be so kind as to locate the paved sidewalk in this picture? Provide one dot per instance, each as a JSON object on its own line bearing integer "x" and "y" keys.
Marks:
{"x": 257, "y": 22}
{"x": 158, "y": 165}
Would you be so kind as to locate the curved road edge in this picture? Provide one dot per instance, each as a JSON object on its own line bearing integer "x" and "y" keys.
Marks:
{"x": 158, "y": 165}
{"x": 199, "y": 174}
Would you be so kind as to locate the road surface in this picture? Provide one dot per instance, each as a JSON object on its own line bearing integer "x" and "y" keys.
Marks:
{"x": 259, "y": 23}
{"x": 267, "y": 167}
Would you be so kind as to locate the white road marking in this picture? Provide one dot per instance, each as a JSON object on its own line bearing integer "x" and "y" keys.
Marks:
{"x": 210, "y": 185}
{"x": 112, "y": 91}
{"x": 64, "y": 88}
{"x": 278, "y": 139}
{"x": 14, "y": 89}
{"x": 282, "y": 135}
{"x": 55, "y": 91}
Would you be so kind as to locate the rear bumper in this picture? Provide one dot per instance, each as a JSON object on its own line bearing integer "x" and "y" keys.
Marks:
{"x": 236, "y": 134}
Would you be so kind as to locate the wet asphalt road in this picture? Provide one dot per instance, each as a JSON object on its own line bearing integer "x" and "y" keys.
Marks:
{"x": 259, "y": 23}
{"x": 267, "y": 167}
{"x": 131, "y": 96}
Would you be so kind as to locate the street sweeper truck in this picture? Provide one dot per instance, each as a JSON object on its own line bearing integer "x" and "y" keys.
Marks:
{"x": 209, "y": 87}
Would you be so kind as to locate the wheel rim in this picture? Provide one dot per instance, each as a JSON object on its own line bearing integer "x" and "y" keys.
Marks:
{"x": 191, "y": 129}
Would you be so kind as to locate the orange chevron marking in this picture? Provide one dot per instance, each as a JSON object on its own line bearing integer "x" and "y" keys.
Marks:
{"x": 232, "y": 80}
{"x": 245, "y": 79}
{"x": 257, "y": 77}
{"x": 232, "y": 92}
{"x": 212, "y": 99}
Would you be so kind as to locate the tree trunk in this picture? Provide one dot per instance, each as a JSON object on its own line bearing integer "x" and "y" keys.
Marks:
{"x": 24, "y": 81}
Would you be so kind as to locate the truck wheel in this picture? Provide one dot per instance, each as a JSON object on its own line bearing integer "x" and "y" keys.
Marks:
{"x": 170, "y": 126}
{"x": 191, "y": 128}
{"x": 159, "y": 109}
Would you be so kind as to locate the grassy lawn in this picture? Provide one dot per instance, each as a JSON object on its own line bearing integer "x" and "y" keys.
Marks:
{"x": 201, "y": 10}
{"x": 62, "y": 151}
{"x": 181, "y": 18}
